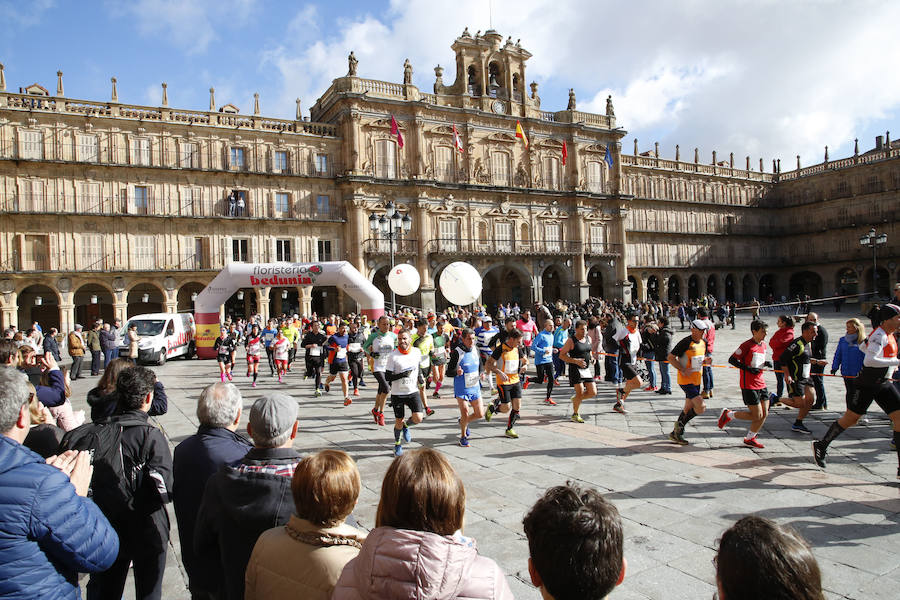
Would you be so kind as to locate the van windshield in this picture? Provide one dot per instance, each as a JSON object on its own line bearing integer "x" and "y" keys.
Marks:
{"x": 148, "y": 327}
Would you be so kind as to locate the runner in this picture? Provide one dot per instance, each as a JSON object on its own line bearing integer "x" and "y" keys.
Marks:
{"x": 338, "y": 364}
{"x": 378, "y": 346}
{"x": 507, "y": 363}
{"x": 224, "y": 351}
{"x": 464, "y": 363}
{"x": 543, "y": 359}
{"x": 577, "y": 353}
{"x": 313, "y": 342}
{"x": 528, "y": 329}
{"x": 355, "y": 340}
{"x": 750, "y": 358}
{"x": 629, "y": 341}
{"x": 290, "y": 334}
{"x": 710, "y": 337}
{"x": 281, "y": 348}
{"x": 424, "y": 341}
{"x": 872, "y": 384}
{"x": 441, "y": 341}
{"x": 254, "y": 347}
{"x": 688, "y": 358}
{"x": 484, "y": 339}
{"x": 268, "y": 336}
{"x": 796, "y": 362}
{"x": 560, "y": 335}
{"x": 401, "y": 370}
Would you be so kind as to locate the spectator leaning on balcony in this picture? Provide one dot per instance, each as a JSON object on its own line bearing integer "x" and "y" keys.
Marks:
{"x": 49, "y": 531}
{"x": 75, "y": 344}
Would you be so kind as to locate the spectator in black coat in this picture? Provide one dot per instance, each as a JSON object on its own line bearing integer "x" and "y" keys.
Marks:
{"x": 197, "y": 458}
{"x": 50, "y": 344}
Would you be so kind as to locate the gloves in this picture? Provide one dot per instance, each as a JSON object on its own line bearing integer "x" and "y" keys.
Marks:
{"x": 768, "y": 364}
{"x": 833, "y": 371}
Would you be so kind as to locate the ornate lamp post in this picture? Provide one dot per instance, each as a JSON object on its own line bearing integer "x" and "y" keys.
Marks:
{"x": 392, "y": 225}
{"x": 873, "y": 240}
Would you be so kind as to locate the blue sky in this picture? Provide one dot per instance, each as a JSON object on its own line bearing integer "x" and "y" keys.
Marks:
{"x": 760, "y": 77}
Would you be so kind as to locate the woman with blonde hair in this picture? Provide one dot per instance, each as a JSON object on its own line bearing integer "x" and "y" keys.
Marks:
{"x": 305, "y": 557}
{"x": 417, "y": 549}
{"x": 849, "y": 357}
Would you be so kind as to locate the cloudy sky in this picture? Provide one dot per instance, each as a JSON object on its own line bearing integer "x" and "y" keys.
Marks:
{"x": 764, "y": 78}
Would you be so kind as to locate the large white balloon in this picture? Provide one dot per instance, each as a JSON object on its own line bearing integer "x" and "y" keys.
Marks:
{"x": 460, "y": 283}
{"x": 404, "y": 279}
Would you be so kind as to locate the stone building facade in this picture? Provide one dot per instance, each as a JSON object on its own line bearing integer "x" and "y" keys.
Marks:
{"x": 111, "y": 209}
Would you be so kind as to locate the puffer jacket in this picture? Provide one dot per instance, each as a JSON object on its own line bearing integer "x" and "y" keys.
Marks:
{"x": 48, "y": 534}
{"x": 848, "y": 356}
{"x": 300, "y": 560}
{"x": 399, "y": 563}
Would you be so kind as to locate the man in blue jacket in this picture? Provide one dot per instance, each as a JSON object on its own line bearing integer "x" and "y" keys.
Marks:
{"x": 49, "y": 530}
{"x": 197, "y": 458}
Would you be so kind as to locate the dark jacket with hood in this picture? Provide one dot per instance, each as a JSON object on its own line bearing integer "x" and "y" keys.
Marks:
{"x": 240, "y": 503}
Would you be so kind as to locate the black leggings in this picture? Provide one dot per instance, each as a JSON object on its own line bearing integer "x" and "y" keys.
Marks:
{"x": 270, "y": 354}
{"x": 356, "y": 371}
{"x": 314, "y": 368}
{"x": 544, "y": 371}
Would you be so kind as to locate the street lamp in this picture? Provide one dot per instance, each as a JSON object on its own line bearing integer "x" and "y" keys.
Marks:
{"x": 873, "y": 240}
{"x": 392, "y": 225}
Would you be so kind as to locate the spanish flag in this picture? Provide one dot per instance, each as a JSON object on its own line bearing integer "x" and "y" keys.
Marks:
{"x": 520, "y": 133}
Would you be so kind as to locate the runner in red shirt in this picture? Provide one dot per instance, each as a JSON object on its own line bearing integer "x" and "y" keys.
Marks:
{"x": 750, "y": 358}
{"x": 529, "y": 330}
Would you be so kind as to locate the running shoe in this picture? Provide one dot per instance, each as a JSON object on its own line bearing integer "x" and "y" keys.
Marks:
{"x": 429, "y": 411}
{"x": 705, "y": 394}
{"x": 436, "y": 394}
{"x": 677, "y": 438}
{"x": 800, "y": 428}
{"x": 526, "y": 384}
{"x": 223, "y": 377}
{"x": 556, "y": 382}
{"x": 576, "y": 418}
{"x": 253, "y": 384}
{"x": 549, "y": 401}
{"x": 753, "y": 443}
{"x": 398, "y": 449}
{"x": 381, "y": 418}
{"x": 489, "y": 413}
{"x": 280, "y": 380}
{"x": 818, "y": 453}
{"x": 511, "y": 433}
{"x": 620, "y": 408}
{"x": 327, "y": 387}
{"x": 248, "y": 373}
{"x": 356, "y": 392}
{"x": 407, "y": 436}
{"x": 464, "y": 442}
{"x": 375, "y": 415}
{"x": 725, "y": 418}
{"x": 650, "y": 388}
{"x": 362, "y": 383}
{"x": 318, "y": 393}
{"x": 348, "y": 401}
{"x": 230, "y": 378}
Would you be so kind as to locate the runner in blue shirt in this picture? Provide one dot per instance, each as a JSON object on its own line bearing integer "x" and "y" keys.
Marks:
{"x": 542, "y": 347}
{"x": 464, "y": 364}
{"x": 268, "y": 336}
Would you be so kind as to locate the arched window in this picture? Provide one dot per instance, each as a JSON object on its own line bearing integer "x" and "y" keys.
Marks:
{"x": 495, "y": 79}
{"x": 472, "y": 81}
{"x": 385, "y": 159}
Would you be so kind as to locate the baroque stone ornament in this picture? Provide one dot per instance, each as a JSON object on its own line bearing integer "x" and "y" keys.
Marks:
{"x": 118, "y": 284}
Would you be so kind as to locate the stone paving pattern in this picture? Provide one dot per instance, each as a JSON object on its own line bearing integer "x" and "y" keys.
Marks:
{"x": 675, "y": 501}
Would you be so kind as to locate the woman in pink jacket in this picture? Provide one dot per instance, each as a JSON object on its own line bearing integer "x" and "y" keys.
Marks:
{"x": 416, "y": 549}
{"x": 780, "y": 340}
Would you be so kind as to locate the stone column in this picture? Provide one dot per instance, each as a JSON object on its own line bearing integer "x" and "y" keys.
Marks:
{"x": 66, "y": 314}
{"x": 579, "y": 270}
{"x": 120, "y": 305}
{"x": 171, "y": 298}
{"x": 423, "y": 234}
{"x": 305, "y": 300}
{"x": 622, "y": 291}
{"x": 262, "y": 302}
{"x": 358, "y": 228}
{"x": 10, "y": 310}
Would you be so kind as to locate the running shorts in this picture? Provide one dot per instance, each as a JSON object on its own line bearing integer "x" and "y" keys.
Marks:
{"x": 413, "y": 401}
{"x": 884, "y": 394}
{"x": 754, "y": 397}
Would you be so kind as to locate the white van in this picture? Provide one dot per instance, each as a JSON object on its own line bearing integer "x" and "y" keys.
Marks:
{"x": 161, "y": 336}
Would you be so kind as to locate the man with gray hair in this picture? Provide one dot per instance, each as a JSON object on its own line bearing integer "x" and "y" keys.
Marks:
{"x": 49, "y": 530}
{"x": 198, "y": 458}
{"x": 242, "y": 501}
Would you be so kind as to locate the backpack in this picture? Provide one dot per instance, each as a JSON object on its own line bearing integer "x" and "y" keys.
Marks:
{"x": 117, "y": 477}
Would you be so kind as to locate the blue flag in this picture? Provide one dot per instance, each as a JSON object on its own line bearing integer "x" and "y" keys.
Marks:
{"x": 608, "y": 158}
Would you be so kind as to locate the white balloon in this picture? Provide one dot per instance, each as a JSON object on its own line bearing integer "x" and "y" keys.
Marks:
{"x": 460, "y": 283}
{"x": 404, "y": 279}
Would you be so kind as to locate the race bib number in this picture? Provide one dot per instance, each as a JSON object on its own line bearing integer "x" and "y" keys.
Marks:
{"x": 548, "y": 352}
{"x": 315, "y": 351}
{"x": 510, "y": 367}
{"x": 355, "y": 347}
{"x": 439, "y": 352}
{"x": 341, "y": 354}
{"x": 585, "y": 373}
{"x": 696, "y": 363}
{"x": 757, "y": 360}
{"x": 253, "y": 348}
{"x": 470, "y": 379}
{"x": 804, "y": 371}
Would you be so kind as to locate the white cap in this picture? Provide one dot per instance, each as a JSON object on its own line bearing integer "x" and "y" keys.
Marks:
{"x": 699, "y": 324}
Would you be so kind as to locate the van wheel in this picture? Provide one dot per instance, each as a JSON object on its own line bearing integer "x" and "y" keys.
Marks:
{"x": 191, "y": 351}
{"x": 162, "y": 357}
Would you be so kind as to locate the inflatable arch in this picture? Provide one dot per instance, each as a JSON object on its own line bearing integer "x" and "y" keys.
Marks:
{"x": 242, "y": 275}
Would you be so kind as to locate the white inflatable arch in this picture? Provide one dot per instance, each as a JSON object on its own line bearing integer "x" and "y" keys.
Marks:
{"x": 258, "y": 275}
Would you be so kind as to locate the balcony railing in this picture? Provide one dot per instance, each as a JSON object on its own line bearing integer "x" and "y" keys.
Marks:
{"x": 602, "y": 249}
{"x": 501, "y": 246}
{"x": 383, "y": 246}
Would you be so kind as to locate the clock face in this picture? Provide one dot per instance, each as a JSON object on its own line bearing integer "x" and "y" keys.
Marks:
{"x": 498, "y": 107}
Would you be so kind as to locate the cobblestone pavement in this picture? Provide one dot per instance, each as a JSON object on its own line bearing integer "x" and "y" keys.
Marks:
{"x": 675, "y": 501}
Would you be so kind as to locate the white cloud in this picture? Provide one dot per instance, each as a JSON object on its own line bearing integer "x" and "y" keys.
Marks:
{"x": 760, "y": 78}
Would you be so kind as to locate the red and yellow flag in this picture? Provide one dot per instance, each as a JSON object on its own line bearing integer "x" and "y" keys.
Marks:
{"x": 520, "y": 133}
